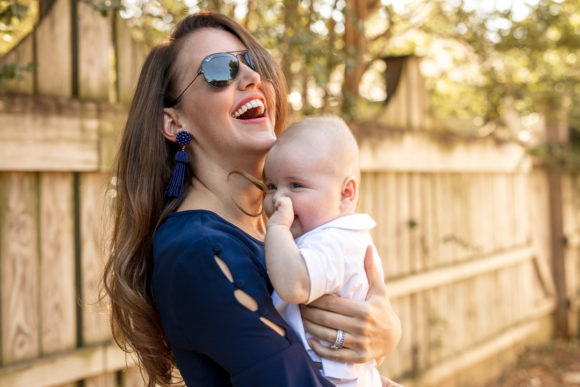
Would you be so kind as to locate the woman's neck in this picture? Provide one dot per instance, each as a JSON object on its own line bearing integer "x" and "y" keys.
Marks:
{"x": 230, "y": 195}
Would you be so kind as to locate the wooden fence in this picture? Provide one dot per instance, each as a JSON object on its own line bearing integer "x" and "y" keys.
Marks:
{"x": 464, "y": 225}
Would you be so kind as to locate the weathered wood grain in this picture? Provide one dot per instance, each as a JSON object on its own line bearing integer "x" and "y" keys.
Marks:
{"x": 57, "y": 262}
{"x": 19, "y": 288}
{"x": 48, "y": 134}
{"x": 95, "y": 54}
{"x": 94, "y": 207}
{"x": 23, "y": 54}
{"x": 54, "y": 53}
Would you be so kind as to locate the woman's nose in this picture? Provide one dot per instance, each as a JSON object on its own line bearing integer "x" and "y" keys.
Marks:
{"x": 249, "y": 78}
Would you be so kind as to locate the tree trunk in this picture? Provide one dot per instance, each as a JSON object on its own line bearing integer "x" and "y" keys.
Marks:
{"x": 290, "y": 20}
{"x": 355, "y": 46}
{"x": 557, "y": 135}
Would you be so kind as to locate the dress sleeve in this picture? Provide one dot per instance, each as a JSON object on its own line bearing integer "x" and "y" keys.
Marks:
{"x": 209, "y": 320}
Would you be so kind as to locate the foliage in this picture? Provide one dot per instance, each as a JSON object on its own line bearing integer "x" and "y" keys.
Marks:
{"x": 11, "y": 10}
{"x": 482, "y": 60}
{"x": 16, "y": 20}
{"x": 107, "y": 6}
{"x": 531, "y": 60}
{"x": 14, "y": 71}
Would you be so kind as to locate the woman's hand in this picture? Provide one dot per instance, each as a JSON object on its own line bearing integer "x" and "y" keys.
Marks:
{"x": 386, "y": 382}
{"x": 372, "y": 328}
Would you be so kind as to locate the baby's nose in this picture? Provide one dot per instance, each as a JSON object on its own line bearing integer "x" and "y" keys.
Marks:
{"x": 277, "y": 195}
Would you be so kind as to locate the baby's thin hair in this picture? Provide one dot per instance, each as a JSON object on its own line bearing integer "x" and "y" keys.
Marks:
{"x": 330, "y": 120}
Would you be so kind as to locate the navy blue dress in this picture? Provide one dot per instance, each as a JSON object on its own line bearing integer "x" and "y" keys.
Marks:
{"x": 216, "y": 340}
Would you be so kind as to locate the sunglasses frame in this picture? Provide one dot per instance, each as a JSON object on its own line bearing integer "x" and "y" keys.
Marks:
{"x": 248, "y": 60}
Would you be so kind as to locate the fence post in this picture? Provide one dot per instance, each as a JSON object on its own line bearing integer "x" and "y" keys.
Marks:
{"x": 557, "y": 136}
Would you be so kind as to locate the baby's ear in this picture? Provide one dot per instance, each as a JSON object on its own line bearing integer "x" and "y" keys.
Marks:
{"x": 349, "y": 193}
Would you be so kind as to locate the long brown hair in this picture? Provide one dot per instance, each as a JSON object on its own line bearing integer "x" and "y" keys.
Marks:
{"x": 143, "y": 169}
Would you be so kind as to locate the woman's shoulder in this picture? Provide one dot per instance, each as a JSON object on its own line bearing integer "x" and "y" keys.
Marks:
{"x": 194, "y": 226}
{"x": 201, "y": 231}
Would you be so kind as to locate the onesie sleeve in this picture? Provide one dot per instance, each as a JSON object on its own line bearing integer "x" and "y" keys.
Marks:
{"x": 325, "y": 262}
{"x": 201, "y": 316}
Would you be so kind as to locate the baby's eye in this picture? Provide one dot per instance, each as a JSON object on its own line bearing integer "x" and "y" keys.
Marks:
{"x": 270, "y": 187}
{"x": 296, "y": 185}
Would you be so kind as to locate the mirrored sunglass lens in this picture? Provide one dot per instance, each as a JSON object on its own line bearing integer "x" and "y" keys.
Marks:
{"x": 249, "y": 60}
{"x": 220, "y": 70}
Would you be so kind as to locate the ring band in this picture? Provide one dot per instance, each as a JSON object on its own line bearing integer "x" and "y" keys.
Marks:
{"x": 339, "y": 340}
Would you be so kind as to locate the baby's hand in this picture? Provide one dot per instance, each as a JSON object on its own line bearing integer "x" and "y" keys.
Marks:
{"x": 283, "y": 213}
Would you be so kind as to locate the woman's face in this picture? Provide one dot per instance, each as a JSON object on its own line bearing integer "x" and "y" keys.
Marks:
{"x": 212, "y": 115}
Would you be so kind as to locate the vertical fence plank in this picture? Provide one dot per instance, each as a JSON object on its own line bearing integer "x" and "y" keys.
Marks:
{"x": 94, "y": 36}
{"x": 131, "y": 378}
{"x": 430, "y": 244}
{"x": 571, "y": 228}
{"x": 402, "y": 200}
{"x": 475, "y": 214}
{"x": 420, "y": 327}
{"x": 130, "y": 56}
{"x": 402, "y": 97}
{"x": 417, "y": 101}
{"x": 501, "y": 304}
{"x": 93, "y": 207}
{"x": 393, "y": 364}
{"x": 388, "y": 204}
{"x": 415, "y": 223}
{"x": 504, "y": 209}
{"x": 460, "y": 214}
{"x": 480, "y": 310}
{"x": 23, "y": 55}
{"x": 19, "y": 292}
{"x": 58, "y": 291}
{"x": 436, "y": 321}
{"x": 405, "y": 313}
{"x": 522, "y": 203}
{"x": 104, "y": 380}
{"x": 54, "y": 42}
{"x": 447, "y": 237}
{"x": 488, "y": 213}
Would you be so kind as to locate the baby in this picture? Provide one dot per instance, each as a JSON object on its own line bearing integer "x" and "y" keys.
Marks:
{"x": 315, "y": 242}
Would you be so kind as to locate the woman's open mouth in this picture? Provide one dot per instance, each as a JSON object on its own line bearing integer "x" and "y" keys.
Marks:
{"x": 251, "y": 109}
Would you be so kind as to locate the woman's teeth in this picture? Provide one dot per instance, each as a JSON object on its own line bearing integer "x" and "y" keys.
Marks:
{"x": 256, "y": 104}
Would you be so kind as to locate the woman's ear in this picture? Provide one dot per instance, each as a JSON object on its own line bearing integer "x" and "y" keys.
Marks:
{"x": 349, "y": 193}
{"x": 171, "y": 125}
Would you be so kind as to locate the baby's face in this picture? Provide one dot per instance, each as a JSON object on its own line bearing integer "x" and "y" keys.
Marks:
{"x": 304, "y": 176}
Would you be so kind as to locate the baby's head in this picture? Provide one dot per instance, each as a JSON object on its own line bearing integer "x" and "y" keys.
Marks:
{"x": 315, "y": 163}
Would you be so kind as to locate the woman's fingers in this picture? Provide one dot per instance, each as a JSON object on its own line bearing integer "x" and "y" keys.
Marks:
{"x": 374, "y": 276}
{"x": 343, "y": 354}
{"x": 386, "y": 382}
{"x": 344, "y": 307}
{"x": 332, "y": 313}
{"x": 329, "y": 334}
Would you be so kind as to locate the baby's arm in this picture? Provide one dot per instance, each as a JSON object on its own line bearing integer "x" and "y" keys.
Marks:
{"x": 286, "y": 267}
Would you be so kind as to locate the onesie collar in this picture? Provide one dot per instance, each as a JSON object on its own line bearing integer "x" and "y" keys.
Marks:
{"x": 355, "y": 222}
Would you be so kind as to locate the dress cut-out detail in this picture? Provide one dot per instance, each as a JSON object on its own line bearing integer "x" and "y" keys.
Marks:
{"x": 224, "y": 267}
{"x": 244, "y": 298}
{"x": 278, "y": 329}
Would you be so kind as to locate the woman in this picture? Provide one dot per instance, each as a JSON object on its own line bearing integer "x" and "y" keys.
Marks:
{"x": 186, "y": 274}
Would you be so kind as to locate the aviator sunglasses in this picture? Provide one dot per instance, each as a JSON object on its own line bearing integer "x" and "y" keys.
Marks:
{"x": 220, "y": 69}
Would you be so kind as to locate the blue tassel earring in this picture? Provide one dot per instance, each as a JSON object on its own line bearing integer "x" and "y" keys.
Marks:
{"x": 181, "y": 159}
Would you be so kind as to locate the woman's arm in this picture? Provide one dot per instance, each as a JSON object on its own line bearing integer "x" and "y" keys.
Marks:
{"x": 372, "y": 328}
{"x": 220, "y": 322}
